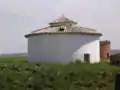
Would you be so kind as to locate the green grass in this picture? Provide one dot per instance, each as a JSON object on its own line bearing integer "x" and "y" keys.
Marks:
{"x": 13, "y": 60}
{"x": 18, "y": 74}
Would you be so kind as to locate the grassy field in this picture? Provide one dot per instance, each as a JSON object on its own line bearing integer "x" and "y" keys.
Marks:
{"x": 18, "y": 74}
{"x": 14, "y": 60}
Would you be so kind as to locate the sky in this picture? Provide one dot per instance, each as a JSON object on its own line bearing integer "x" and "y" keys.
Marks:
{"x": 19, "y": 17}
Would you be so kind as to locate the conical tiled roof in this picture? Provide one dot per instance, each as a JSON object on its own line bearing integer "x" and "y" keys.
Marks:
{"x": 68, "y": 25}
{"x": 63, "y": 19}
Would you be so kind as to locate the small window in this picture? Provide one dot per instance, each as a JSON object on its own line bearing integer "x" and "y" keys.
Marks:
{"x": 87, "y": 57}
{"x": 61, "y": 29}
{"x": 108, "y": 55}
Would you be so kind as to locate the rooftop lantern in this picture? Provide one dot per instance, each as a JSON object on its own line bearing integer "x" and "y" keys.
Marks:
{"x": 62, "y": 21}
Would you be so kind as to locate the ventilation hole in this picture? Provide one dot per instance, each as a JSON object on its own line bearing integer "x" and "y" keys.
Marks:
{"x": 61, "y": 29}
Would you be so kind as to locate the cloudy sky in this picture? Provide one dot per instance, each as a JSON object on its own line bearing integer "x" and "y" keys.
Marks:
{"x": 18, "y": 17}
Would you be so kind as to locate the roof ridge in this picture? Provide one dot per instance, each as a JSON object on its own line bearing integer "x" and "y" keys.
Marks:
{"x": 88, "y": 28}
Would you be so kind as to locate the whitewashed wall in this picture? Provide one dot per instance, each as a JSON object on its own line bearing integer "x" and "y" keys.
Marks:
{"x": 63, "y": 48}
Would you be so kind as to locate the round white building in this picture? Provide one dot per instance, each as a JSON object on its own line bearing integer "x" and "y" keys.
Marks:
{"x": 63, "y": 41}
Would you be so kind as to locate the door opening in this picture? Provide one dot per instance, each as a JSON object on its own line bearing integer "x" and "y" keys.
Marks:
{"x": 87, "y": 57}
{"x": 108, "y": 55}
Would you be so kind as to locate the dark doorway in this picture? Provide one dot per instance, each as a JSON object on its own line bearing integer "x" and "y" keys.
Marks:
{"x": 87, "y": 57}
{"x": 108, "y": 55}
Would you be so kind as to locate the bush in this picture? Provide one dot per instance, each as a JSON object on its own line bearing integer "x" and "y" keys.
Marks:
{"x": 31, "y": 76}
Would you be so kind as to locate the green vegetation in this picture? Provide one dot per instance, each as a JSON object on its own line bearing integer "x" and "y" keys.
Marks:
{"x": 13, "y": 60}
{"x": 74, "y": 76}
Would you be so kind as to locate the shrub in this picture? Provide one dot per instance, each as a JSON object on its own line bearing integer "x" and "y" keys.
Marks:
{"x": 76, "y": 76}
